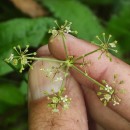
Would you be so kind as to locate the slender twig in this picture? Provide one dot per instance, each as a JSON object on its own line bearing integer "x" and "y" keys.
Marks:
{"x": 45, "y": 59}
{"x": 86, "y": 75}
{"x": 87, "y": 54}
{"x": 66, "y": 51}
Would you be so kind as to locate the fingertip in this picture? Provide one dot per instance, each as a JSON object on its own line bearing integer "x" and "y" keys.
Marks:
{"x": 43, "y": 51}
{"x": 74, "y": 46}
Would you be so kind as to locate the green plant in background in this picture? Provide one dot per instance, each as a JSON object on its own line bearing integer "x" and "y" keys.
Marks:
{"x": 106, "y": 92}
{"x": 17, "y": 28}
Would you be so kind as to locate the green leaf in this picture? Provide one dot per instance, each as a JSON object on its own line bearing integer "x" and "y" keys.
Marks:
{"x": 22, "y": 32}
{"x": 84, "y": 21}
{"x": 119, "y": 25}
{"x": 11, "y": 95}
{"x": 3, "y": 107}
{"x": 23, "y": 88}
{"x": 98, "y": 2}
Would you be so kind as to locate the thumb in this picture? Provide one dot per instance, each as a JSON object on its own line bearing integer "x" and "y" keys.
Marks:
{"x": 40, "y": 116}
{"x": 101, "y": 69}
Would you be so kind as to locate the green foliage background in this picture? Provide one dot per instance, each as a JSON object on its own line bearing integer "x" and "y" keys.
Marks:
{"x": 89, "y": 17}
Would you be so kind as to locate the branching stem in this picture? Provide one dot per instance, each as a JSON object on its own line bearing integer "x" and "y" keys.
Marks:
{"x": 87, "y": 54}
{"x": 66, "y": 51}
{"x": 45, "y": 59}
{"x": 87, "y": 76}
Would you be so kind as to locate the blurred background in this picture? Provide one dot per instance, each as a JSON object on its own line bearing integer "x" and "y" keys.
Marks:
{"x": 27, "y": 22}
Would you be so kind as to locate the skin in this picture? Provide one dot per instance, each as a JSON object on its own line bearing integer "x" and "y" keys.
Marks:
{"x": 86, "y": 110}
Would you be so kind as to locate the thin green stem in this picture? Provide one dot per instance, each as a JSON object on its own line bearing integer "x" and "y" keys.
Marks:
{"x": 45, "y": 59}
{"x": 66, "y": 51}
{"x": 87, "y": 54}
{"x": 87, "y": 76}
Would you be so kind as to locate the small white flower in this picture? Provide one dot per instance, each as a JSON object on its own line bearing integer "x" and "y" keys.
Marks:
{"x": 66, "y": 106}
{"x": 47, "y": 72}
{"x": 54, "y": 32}
{"x": 112, "y": 44}
{"x": 67, "y": 29}
{"x": 55, "y": 110}
{"x": 58, "y": 79}
{"x": 55, "y": 100}
{"x": 108, "y": 88}
{"x": 10, "y": 58}
{"x": 24, "y": 60}
{"x": 115, "y": 103}
{"x": 107, "y": 97}
{"x": 65, "y": 98}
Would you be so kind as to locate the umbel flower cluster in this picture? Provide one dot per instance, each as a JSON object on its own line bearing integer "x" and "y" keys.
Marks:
{"x": 21, "y": 58}
{"x": 106, "y": 45}
{"x": 107, "y": 92}
{"x": 61, "y": 29}
{"x": 58, "y": 100}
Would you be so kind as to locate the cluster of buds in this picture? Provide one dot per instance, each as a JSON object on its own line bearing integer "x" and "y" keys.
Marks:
{"x": 58, "y": 100}
{"x": 62, "y": 29}
{"x": 108, "y": 93}
{"x": 21, "y": 58}
{"x": 106, "y": 45}
{"x": 55, "y": 73}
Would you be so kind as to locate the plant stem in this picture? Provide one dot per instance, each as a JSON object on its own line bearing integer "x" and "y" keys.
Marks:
{"x": 87, "y": 54}
{"x": 91, "y": 79}
{"x": 45, "y": 59}
{"x": 66, "y": 51}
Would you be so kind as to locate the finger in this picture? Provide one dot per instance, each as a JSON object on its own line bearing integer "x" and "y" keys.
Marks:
{"x": 92, "y": 124}
{"x": 104, "y": 116}
{"x": 43, "y": 51}
{"x": 99, "y": 127}
{"x": 40, "y": 116}
{"x": 99, "y": 69}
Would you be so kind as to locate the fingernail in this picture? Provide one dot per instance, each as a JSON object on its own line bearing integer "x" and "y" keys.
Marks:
{"x": 41, "y": 81}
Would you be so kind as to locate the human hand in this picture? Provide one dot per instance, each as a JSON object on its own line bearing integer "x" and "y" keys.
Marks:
{"x": 84, "y": 105}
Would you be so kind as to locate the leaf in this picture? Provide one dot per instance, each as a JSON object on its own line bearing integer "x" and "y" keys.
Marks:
{"x": 98, "y": 2}
{"x": 11, "y": 95}
{"x": 84, "y": 21}
{"x": 119, "y": 25}
{"x": 3, "y": 107}
{"x": 22, "y": 32}
{"x": 23, "y": 88}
